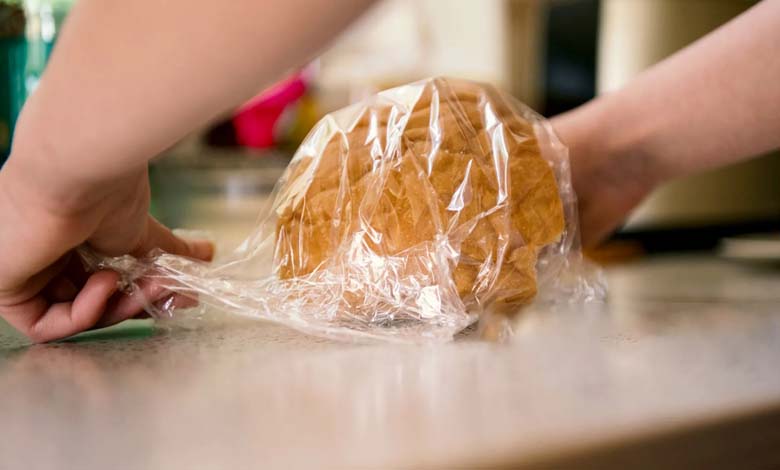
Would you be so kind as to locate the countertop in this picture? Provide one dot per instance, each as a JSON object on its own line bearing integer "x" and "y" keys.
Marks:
{"x": 680, "y": 367}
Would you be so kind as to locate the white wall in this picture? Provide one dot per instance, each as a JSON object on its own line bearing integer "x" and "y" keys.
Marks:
{"x": 403, "y": 40}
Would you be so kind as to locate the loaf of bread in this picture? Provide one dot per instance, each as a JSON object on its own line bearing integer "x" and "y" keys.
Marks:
{"x": 453, "y": 175}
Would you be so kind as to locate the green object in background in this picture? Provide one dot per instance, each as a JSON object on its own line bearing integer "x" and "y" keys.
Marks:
{"x": 28, "y": 31}
{"x": 13, "y": 63}
{"x": 13, "y": 52}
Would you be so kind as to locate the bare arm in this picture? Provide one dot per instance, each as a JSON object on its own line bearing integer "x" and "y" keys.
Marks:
{"x": 713, "y": 103}
{"x": 127, "y": 80}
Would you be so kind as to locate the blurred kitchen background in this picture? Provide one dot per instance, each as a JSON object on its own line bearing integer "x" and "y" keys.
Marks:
{"x": 552, "y": 54}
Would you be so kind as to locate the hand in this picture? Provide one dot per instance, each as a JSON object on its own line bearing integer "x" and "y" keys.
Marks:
{"x": 44, "y": 290}
{"x": 611, "y": 171}
{"x": 682, "y": 116}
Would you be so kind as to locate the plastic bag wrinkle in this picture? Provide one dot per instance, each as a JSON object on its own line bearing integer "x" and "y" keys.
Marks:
{"x": 402, "y": 218}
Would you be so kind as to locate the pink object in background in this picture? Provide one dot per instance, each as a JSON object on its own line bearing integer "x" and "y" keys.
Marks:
{"x": 255, "y": 122}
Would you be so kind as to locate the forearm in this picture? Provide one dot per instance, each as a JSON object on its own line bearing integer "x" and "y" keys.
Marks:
{"x": 714, "y": 103}
{"x": 128, "y": 79}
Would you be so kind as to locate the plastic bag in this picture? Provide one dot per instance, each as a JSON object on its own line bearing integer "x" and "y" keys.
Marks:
{"x": 405, "y": 217}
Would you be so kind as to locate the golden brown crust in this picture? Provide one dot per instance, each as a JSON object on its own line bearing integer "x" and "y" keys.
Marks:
{"x": 498, "y": 208}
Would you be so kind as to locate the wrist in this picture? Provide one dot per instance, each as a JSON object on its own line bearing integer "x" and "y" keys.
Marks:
{"x": 611, "y": 168}
{"x": 614, "y": 140}
{"x": 43, "y": 175}
{"x": 31, "y": 218}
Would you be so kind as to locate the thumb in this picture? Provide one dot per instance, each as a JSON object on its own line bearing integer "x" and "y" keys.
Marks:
{"x": 159, "y": 236}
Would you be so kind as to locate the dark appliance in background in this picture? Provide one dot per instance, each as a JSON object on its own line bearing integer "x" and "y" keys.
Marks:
{"x": 569, "y": 65}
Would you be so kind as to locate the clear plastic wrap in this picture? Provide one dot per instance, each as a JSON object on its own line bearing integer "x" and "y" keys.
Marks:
{"x": 405, "y": 217}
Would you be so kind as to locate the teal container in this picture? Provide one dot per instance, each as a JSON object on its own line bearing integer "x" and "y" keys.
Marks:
{"x": 13, "y": 66}
{"x": 28, "y": 31}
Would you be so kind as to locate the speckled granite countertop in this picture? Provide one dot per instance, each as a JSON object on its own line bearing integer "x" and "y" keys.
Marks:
{"x": 684, "y": 344}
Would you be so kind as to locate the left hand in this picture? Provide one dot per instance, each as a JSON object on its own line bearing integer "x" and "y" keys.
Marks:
{"x": 45, "y": 291}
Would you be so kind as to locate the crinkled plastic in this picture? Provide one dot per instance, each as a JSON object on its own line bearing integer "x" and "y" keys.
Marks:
{"x": 405, "y": 217}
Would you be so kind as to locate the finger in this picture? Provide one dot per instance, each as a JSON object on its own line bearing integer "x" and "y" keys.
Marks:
{"x": 174, "y": 302}
{"x": 159, "y": 236}
{"x": 24, "y": 315}
{"x": 200, "y": 249}
{"x": 135, "y": 305}
{"x": 68, "y": 318}
{"x": 125, "y": 306}
{"x": 110, "y": 319}
{"x": 181, "y": 301}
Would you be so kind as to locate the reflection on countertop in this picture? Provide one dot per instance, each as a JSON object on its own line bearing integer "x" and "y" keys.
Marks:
{"x": 682, "y": 341}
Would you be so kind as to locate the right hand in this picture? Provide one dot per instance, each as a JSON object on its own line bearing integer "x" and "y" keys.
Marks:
{"x": 610, "y": 177}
